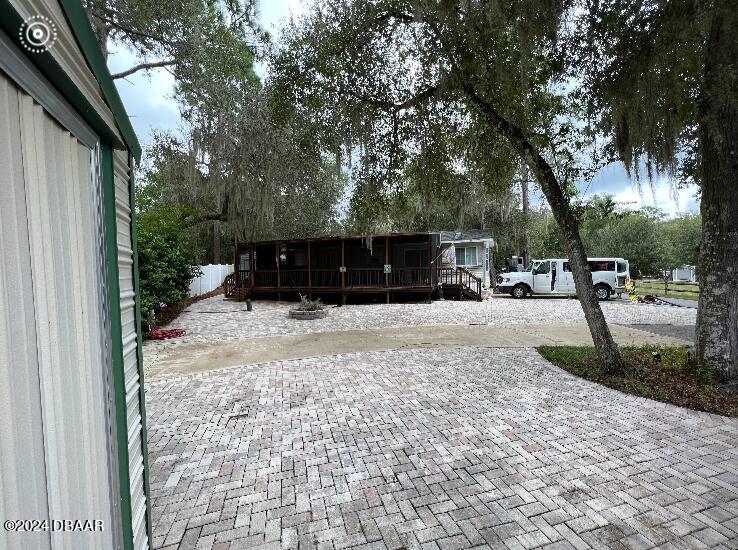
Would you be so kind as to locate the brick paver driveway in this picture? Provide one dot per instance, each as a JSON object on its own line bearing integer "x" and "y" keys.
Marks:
{"x": 434, "y": 448}
{"x": 216, "y": 319}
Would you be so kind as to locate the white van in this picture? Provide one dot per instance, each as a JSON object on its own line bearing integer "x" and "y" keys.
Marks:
{"x": 553, "y": 276}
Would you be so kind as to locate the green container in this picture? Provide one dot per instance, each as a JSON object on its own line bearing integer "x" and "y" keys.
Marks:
{"x": 249, "y": 307}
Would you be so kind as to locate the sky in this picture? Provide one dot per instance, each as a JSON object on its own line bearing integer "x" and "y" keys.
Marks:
{"x": 149, "y": 101}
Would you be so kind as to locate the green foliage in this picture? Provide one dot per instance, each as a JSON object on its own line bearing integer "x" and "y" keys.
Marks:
{"x": 306, "y": 304}
{"x": 644, "y": 237}
{"x": 681, "y": 240}
{"x": 165, "y": 263}
{"x": 237, "y": 164}
{"x": 633, "y": 236}
{"x": 389, "y": 84}
{"x": 199, "y": 40}
{"x": 547, "y": 239}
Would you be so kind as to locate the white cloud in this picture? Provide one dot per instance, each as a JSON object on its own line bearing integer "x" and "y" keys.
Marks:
{"x": 613, "y": 180}
{"x": 147, "y": 96}
{"x": 272, "y": 15}
{"x": 663, "y": 196}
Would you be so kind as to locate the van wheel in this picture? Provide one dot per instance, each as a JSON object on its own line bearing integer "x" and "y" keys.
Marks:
{"x": 519, "y": 291}
{"x": 602, "y": 292}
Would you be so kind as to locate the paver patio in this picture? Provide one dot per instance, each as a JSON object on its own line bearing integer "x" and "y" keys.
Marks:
{"x": 179, "y": 359}
{"x": 217, "y": 319}
{"x": 433, "y": 448}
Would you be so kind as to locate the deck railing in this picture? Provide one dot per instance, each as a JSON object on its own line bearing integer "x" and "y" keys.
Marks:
{"x": 265, "y": 278}
{"x": 365, "y": 278}
{"x": 229, "y": 285}
{"x": 460, "y": 277}
{"x": 237, "y": 282}
{"x": 406, "y": 277}
{"x": 410, "y": 277}
{"x": 243, "y": 277}
{"x": 325, "y": 278}
{"x": 333, "y": 278}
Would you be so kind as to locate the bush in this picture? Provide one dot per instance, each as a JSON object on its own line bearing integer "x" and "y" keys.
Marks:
{"x": 306, "y": 304}
{"x": 165, "y": 264}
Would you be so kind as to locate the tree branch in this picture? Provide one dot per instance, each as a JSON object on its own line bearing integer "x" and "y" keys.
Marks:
{"x": 411, "y": 101}
{"x": 195, "y": 219}
{"x": 115, "y": 24}
{"x": 142, "y": 67}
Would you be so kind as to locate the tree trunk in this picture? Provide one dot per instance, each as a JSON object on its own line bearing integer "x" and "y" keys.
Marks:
{"x": 216, "y": 242}
{"x": 607, "y": 349}
{"x": 716, "y": 338}
{"x": 526, "y": 216}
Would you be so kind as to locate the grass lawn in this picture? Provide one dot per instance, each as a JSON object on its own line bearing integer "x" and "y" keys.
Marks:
{"x": 672, "y": 380}
{"x": 686, "y": 291}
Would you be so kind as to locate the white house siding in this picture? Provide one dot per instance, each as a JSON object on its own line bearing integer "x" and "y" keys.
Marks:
{"x": 54, "y": 422}
{"x": 130, "y": 348}
{"x": 478, "y": 269}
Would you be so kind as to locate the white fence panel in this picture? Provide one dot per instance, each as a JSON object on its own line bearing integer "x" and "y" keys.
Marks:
{"x": 211, "y": 278}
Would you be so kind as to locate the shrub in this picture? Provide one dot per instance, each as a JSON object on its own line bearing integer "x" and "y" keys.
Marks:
{"x": 306, "y": 304}
{"x": 165, "y": 264}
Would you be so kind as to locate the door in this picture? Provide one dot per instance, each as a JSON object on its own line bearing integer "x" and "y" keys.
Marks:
{"x": 567, "y": 278}
{"x": 542, "y": 278}
{"x": 56, "y": 428}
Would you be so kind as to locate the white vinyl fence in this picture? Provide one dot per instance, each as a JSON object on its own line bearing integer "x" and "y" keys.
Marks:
{"x": 211, "y": 278}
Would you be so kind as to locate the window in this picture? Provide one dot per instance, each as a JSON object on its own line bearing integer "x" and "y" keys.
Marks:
{"x": 244, "y": 260}
{"x": 601, "y": 265}
{"x": 466, "y": 255}
{"x": 567, "y": 267}
{"x": 543, "y": 268}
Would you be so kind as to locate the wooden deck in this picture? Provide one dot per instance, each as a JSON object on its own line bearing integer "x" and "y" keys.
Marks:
{"x": 244, "y": 284}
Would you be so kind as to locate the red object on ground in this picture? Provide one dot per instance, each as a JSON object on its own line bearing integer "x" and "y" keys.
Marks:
{"x": 166, "y": 333}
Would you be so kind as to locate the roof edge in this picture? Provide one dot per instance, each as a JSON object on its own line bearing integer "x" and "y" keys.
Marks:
{"x": 87, "y": 41}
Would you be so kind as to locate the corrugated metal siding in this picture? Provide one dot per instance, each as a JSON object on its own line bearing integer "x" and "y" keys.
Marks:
{"x": 67, "y": 53}
{"x": 22, "y": 469}
{"x": 59, "y": 383}
{"x": 130, "y": 349}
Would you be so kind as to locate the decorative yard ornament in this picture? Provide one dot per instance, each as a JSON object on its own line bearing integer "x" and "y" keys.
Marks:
{"x": 449, "y": 256}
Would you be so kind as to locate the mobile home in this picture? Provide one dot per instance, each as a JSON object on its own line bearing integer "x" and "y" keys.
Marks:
{"x": 392, "y": 266}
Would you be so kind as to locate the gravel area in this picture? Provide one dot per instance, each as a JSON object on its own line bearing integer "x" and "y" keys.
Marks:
{"x": 218, "y": 319}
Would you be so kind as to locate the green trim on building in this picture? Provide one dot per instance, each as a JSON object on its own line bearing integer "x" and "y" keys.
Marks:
{"x": 74, "y": 12}
{"x": 137, "y": 292}
{"x": 87, "y": 40}
{"x": 11, "y": 21}
{"x": 116, "y": 336}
